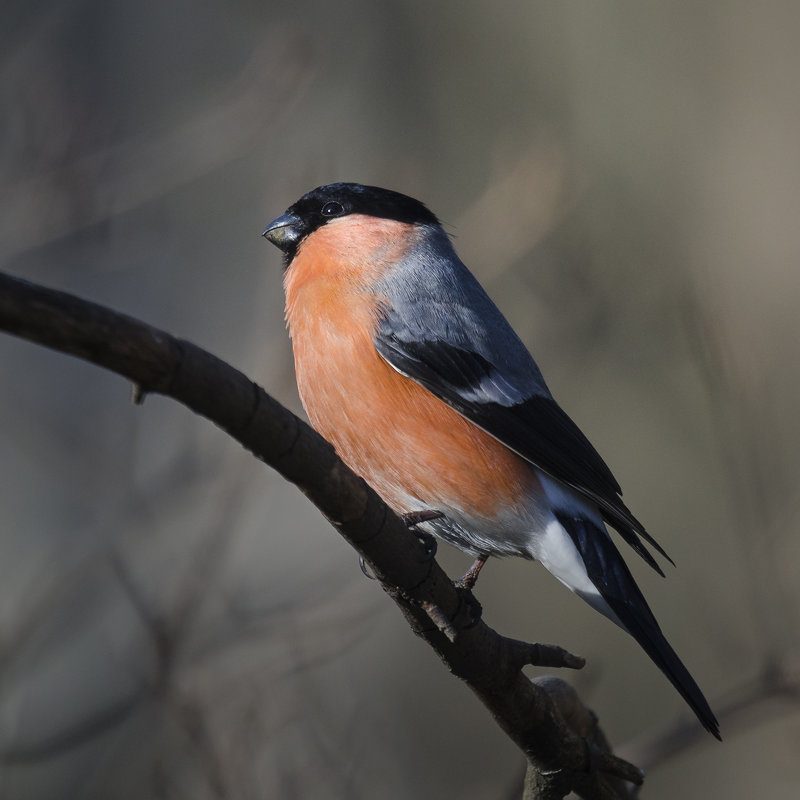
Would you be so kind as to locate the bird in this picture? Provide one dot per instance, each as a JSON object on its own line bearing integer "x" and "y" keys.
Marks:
{"x": 411, "y": 371}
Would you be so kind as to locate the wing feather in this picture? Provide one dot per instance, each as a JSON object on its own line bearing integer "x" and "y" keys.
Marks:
{"x": 535, "y": 427}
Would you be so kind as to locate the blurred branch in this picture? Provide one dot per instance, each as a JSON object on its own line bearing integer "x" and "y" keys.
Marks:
{"x": 751, "y": 441}
{"x": 775, "y": 691}
{"x": 91, "y": 727}
{"x": 560, "y": 738}
{"x": 125, "y": 176}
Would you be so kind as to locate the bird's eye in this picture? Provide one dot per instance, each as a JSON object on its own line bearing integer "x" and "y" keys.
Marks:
{"x": 332, "y": 209}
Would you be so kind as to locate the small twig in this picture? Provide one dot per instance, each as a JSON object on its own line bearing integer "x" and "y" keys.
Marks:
{"x": 542, "y": 655}
{"x": 440, "y": 620}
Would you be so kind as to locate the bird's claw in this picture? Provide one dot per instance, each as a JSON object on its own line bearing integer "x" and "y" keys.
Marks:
{"x": 414, "y": 518}
{"x": 430, "y": 543}
{"x": 364, "y": 568}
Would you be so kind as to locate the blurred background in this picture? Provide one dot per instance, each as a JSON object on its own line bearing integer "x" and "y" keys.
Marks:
{"x": 176, "y": 621}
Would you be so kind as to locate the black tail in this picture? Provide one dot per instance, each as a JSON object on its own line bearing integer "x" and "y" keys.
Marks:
{"x": 610, "y": 574}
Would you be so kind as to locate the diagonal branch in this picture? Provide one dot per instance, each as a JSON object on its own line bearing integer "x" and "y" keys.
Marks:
{"x": 558, "y": 735}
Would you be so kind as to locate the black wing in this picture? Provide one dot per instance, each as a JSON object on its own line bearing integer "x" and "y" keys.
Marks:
{"x": 535, "y": 428}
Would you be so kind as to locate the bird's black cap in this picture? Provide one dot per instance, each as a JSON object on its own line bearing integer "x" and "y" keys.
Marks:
{"x": 320, "y": 206}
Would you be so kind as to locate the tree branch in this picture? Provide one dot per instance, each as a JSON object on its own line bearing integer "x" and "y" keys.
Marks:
{"x": 565, "y": 749}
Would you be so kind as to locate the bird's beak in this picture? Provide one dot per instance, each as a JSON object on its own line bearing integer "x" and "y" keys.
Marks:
{"x": 284, "y": 232}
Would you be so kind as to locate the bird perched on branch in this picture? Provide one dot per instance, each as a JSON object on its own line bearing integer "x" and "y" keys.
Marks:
{"x": 408, "y": 368}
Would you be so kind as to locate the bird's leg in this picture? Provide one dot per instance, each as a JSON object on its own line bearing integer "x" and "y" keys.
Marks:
{"x": 414, "y": 518}
{"x": 471, "y": 575}
{"x": 464, "y": 588}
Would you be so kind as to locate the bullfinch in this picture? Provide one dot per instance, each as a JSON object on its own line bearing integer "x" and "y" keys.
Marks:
{"x": 408, "y": 368}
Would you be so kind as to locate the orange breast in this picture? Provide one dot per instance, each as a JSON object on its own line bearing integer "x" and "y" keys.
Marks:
{"x": 405, "y": 442}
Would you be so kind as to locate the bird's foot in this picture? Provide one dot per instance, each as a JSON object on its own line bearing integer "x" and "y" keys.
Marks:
{"x": 470, "y": 577}
{"x": 414, "y": 518}
{"x": 430, "y": 543}
{"x": 365, "y": 569}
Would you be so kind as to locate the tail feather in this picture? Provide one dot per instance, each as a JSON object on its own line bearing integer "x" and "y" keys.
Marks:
{"x": 609, "y": 573}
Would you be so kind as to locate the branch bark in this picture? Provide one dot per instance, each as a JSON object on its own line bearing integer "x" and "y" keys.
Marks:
{"x": 561, "y": 740}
